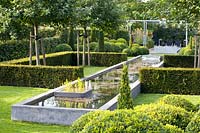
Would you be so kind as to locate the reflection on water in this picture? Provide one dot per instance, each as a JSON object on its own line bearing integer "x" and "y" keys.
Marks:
{"x": 105, "y": 87}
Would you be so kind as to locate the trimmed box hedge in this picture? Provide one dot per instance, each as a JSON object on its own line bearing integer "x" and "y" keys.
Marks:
{"x": 37, "y": 76}
{"x": 14, "y": 49}
{"x": 178, "y": 61}
{"x": 170, "y": 80}
{"x": 70, "y": 59}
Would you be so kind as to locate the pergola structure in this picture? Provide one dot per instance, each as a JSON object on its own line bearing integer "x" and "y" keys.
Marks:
{"x": 145, "y": 24}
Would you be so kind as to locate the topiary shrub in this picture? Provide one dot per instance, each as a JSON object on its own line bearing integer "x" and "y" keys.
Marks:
{"x": 150, "y": 44}
{"x": 121, "y": 45}
{"x": 125, "y": 100}
{"x": 135, "y": 51}
{"x": 93, "y": 46}
{"x": 194, "y": 125}
{"x": 80, "y": 123}
{"x": 112, "y": 41}
{"x": 166, "y": 114}
{"x": 143, "y": 50}
{"x": 128, "y": 51}
{"x": 62, "y": 47}
{"x": 178, "y": 101}
{"x": 119, "y": 121}
{"x": 121, "y": 40}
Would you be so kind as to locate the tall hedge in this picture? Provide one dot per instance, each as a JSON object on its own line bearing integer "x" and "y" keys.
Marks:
{"x": 170, "y": 80}
{"x": 178, "y": 61}
{"x": 37, "y": 76}
{"x": 70, "y": 59}
{"x": 19, "y": 49}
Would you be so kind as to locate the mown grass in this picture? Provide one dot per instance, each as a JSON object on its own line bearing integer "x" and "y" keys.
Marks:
{"x": 12, "y": 95}
{"x": 151, "y": 98}
{"x": 88, "y": 70}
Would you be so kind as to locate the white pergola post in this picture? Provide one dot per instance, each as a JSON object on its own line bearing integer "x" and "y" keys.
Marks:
{"x": 186, "y": 33}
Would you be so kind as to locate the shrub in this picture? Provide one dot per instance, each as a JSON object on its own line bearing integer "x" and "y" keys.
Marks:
{"x": 143, "y": 50}
{"x": 135, "y": 51}
{"x": 178, "y": 61}
{"x": 122, "y": 40}
{"x": 178, "y": 101}
{"x": 150, "y": 44}
{"x": 62, "y": 47}
{"x": 112, "y": 41}
{"x": 166, "y": 114}
{"x": 128, "y": 51}
{"x": 37, "y": 76}
{"x": 106, "y": 39}
{"x": 93, "y": 46}
{"x": 170, "y": 80}
{"x": 125, "y": 100}
{"x": 121, "y": 45}
{"x": 119, "y": 121}
{"x": 194, "y": 125}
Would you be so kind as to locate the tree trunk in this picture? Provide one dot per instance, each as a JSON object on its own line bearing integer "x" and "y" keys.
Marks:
{"x": 77, "y": 48}
{"x": 30, "y": 49}
{"x": 36, "y": 44}
{"x": 71, "y": 37}
{"x": 101, "y": 41}
{"x": 84, "y": 42}
{"x": 198, "y": 65}
{"x": 195, "y": 53}
{"x": 88, "y": 45}
{"x": 43, "y": 52}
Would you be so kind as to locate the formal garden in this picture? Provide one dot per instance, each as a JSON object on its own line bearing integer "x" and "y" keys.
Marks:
{"x": 99, "y": 66}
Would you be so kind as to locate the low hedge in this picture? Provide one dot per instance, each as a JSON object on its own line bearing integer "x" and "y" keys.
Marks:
{"x": 170, "y": 80}
{"x": 70, "y": 58}
{"x": 166, "y": 114}
{"x": 178, "y": 61}
{"x": 37, "y": 76}
{"x": 120, "y": 121}
{"x": 194, "y": 125}
{"x": 178, "y": 101}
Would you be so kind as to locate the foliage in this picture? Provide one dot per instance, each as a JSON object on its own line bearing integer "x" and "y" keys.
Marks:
{"x": 125, "y": 100}
{"x": 194, "y": 125}
{"x": 178, "y": 61}
{"x": 150, "y": 44}
{"x": 62, "y": 47}
{"x": 166, "y": 114}
{"x": 170, "y": 80}
{"x": 178, "y": 101}
{"x": 122, "y": 40}
{"x": 78, "y": 87}
{"x": 119, "y": 121}
{"x": 128, "y": 51}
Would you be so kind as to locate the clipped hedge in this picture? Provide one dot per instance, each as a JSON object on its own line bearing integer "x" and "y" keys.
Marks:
{"x": 166, "y": 114}
{"x": 19, "y": 49}
{"x": 70, "y": 59}
{"x": 194, "y": 125}
{"x": 37, "y": 76}
{"x": 178, "y": 101}
{"x": 178, "y": 61}
{"x": 170, "y": 80}
{"x": 119, "y": 121}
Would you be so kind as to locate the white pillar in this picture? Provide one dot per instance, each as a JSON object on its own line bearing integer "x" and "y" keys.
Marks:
{"x": 186, "y": 34}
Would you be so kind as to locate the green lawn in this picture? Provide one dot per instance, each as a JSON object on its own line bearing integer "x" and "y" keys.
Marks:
{"x": 88, "y": 70}
{"x": 150, "y": 98}
{"x": 11, "y": 95}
